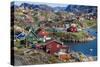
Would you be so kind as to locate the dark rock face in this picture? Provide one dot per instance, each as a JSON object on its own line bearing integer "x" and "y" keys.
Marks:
{"x": 81, "y": 8}
{"x": 34, "y": 6}
{"x": 69, "y": 8}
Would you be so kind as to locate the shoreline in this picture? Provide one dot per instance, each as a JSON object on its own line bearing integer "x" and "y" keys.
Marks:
{"x": 71, "y": 57}
{"x": 90, "y": 38}
{"x": 89, "y": 27}
{"x": 79, "y": 41}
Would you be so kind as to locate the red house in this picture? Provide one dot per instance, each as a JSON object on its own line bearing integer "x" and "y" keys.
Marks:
{"x": 54, "y": 46}
{"x": 72, "y": 28}
{"x": 41, "y": 32}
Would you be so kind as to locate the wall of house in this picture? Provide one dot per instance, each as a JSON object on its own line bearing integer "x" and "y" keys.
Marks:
{"x": 53, "y": 47}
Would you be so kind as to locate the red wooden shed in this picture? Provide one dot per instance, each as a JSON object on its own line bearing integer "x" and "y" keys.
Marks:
{"x": 54, "y": 46}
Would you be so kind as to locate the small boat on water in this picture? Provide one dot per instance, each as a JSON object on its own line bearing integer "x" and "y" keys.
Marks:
{"x": 91, "y": 49}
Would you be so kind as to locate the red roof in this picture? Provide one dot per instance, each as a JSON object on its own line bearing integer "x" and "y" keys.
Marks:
{"x": 48, "y": 42}
{"x": 42, "y": 32}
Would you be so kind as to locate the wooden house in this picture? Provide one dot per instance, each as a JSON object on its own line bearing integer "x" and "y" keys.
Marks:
{"x": 42, "y": 32}
{"x": 54, "y": 46}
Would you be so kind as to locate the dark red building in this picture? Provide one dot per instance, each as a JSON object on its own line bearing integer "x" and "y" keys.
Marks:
{"x": 41, "y": 32}
{"x": 54, "y": 46}
{"x": 73, "y": 29}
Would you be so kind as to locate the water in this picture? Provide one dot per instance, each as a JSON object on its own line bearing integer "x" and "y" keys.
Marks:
{"x": 88, "y": 48}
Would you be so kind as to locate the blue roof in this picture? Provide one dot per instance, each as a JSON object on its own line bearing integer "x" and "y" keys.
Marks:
{"x": 20, "y": 36}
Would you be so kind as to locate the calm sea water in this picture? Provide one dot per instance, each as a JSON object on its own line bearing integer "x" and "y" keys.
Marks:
{"x": 88, "y": 48}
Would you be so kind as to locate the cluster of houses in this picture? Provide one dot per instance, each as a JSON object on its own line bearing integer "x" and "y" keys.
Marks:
{"x": 61, "y": 21}
{"x": 35, "y": 40}
{"x": 34, "y": 36}
{"x": 39, "y": 39}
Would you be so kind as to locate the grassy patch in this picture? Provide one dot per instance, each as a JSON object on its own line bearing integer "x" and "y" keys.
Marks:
{"x": 71, "y": 35}
{"x": 78, "y": 35}
{"x": 89, "y": 23}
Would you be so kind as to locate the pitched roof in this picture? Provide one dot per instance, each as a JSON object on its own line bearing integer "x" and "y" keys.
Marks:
{"x": 53, "y": 41}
